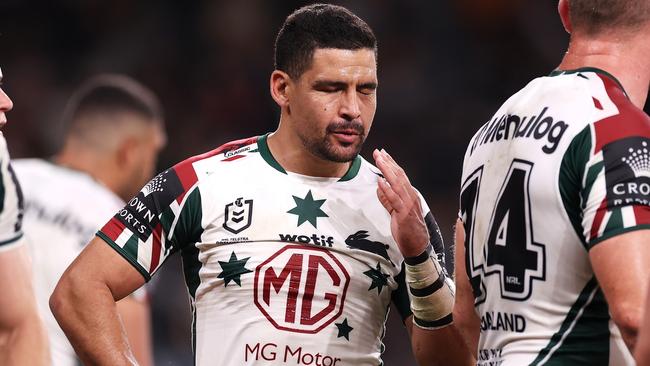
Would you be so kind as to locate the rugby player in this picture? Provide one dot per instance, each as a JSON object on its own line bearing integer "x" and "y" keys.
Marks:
{"x": 114, "y": 130}
{"x": 23, "y": 340}
{"x": 555, "y": 203}
{"x": 287, "y": 247}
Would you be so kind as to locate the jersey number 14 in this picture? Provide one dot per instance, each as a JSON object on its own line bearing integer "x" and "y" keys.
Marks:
{"x": 509, "y": 250}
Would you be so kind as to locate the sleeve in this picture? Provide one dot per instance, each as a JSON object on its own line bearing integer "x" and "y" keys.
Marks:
{"x": 11, "y": 202}
{"x": 163, "y": 218}
{"x": 605, "y": 177}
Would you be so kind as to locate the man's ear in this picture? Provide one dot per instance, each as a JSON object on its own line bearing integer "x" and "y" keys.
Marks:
{"x": 126, "y": 152}
{"x": 563, "y": 9}
{"x": 279, "y": 84}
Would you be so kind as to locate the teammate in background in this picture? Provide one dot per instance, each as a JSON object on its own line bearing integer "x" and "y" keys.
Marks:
{"x": 288, "y": 253}
{"x": 23, "y": 340}
{"x": 555, "y": 203}
{"x": 114, "y": 130}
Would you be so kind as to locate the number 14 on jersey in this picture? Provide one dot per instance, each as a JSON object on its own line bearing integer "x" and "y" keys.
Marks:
{"x": 507, "y": 249}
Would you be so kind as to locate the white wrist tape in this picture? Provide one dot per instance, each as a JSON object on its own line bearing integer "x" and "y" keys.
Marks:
{"x": 431, "y": 293}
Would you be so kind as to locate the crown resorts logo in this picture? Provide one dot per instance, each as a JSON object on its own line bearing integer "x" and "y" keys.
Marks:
{"x": 639, "y": 160}
{"x": 155, "y": 185}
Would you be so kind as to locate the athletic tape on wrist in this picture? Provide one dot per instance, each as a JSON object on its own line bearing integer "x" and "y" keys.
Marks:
{"x": 431, "y": 294}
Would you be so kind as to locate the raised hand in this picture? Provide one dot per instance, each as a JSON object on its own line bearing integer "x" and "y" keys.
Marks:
{"x": 402, "y": 201}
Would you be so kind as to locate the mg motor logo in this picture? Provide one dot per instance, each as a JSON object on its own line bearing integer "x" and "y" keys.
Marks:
{"x": 301, "y": 289}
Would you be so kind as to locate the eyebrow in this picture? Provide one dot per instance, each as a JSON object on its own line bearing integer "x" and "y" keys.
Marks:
{"x": 342, "y": 85}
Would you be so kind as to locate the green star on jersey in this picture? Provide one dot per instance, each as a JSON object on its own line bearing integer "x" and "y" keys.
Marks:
{"x": 308, "y": 209}
{"x": 233, "y": 269}
{"x": 378, "y": 278}
{"x": 344, "y": 329}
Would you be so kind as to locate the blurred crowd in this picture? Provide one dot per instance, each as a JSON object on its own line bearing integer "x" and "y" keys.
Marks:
{"x": 444, "y": 66}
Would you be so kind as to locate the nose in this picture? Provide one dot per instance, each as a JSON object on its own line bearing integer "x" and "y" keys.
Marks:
{"x": 5, "y": 103}
{"x": 350, "y": 108}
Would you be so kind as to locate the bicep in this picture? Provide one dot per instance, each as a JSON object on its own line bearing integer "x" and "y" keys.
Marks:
{"x": 621, "y": 268}
{"x": 99, "y": 264}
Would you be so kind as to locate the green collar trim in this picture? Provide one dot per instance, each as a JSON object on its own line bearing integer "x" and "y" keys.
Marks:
{"x": 557, "y": 72}
{"x": 263, "y": 146}
{"x": 353, "y": 170}
{"x": 265, "y": 152}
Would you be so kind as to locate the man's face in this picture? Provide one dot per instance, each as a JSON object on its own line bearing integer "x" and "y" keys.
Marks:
{"x": 5, "y": 104}
{"x": 333, "y": 103}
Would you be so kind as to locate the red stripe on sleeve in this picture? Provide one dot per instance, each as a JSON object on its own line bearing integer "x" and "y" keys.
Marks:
{"x": 113, "y": 228}
{"x": 598, "y": 219}
{"x": 642, "y": 214}
{"x": 155, "y": 247}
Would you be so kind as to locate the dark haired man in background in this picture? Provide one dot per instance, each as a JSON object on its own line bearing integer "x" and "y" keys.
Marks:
{"x": 289, "y": 255}
{"x": 555, "y": 203}
{"x": 23, "y": 340}
{"x": 114, "y": 130}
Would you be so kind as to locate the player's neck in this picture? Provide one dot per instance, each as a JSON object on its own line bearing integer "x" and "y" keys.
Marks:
{"x": 626, "y": 60}
{"x": 290, "y": 153}
{"x": 87, "y": 162}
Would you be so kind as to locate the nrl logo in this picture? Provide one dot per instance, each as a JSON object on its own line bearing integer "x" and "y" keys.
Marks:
{"x": 238, "y": 215}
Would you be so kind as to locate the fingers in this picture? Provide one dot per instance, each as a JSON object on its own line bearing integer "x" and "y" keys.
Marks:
{"x": 398, "y": 182}
{"x": 392, "y": 200}
{"x": 384, "y": 200}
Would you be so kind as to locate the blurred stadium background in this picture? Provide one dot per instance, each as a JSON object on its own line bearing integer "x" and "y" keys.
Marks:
{"x": 444, "y": 68}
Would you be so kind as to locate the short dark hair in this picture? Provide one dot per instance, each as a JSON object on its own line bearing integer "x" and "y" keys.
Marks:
{"x": 319, "y": 26}
{"x": 595, "y": 16}
{"x": 111, "y": 94}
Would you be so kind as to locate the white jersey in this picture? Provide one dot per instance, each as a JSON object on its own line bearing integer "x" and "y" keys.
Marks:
{"x": 63, "y": 210}
{"x": 282, "y": 269}
{"x": 562, "y": 166}
{"x": 11, "y": 202}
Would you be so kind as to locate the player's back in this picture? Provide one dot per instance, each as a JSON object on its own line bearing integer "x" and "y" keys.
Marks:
{"x": 558, "y": 169}
{"x": 63, "y": 210}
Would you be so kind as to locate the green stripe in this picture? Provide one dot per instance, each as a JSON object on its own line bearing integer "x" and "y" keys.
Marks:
{"x": 12, "y": 240}
{"x": 615, "y": 220}
{"x": 127, "y": 256}
{"x": 188, "y": 232}
{"x": 619, "y": 231}
{"x": 570, "y": 178}
{"x": 265, "y": 152}
{"x": 353, "y": 170}
{"x": 592, "y": 174}
{"x": 583, "y": 338}
{"x": 263, "y": 146}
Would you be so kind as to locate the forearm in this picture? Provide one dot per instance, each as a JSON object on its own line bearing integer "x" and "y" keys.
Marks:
{"x": 87, "y": 313}
{"x": 444, "y": 347}
{"x": 23, "y": 340}
{"x": 135, "y": 316}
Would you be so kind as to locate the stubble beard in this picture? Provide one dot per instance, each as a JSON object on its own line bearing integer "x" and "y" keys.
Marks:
{"x": 322, "y": 147}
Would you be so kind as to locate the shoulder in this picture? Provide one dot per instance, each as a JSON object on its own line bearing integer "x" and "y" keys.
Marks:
{"x": 196, "y": 168}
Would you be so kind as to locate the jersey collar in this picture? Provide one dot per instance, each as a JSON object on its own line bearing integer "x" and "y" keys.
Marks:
{"x": 558, "y": 72}
{"x": 265, "y": 152}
